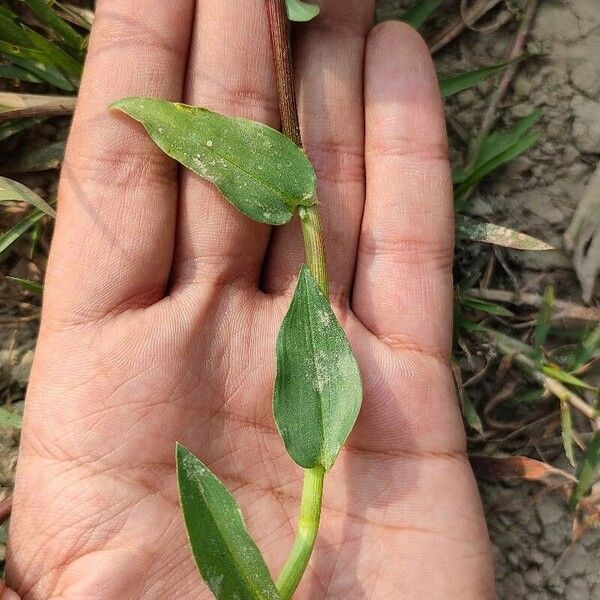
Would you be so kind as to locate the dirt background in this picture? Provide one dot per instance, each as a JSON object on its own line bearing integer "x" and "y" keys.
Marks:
{"x": 530, "y": 526}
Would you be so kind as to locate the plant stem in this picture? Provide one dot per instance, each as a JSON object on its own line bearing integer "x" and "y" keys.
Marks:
{"x": 312, "y": 231}
{"x": 564, "y": 310}
{"x": 284, "y": 70}
{"x": 314, "y": 248}
{"x": 515, "y": 349}
{"x": 308, "y": 526}
{"x": 310, "y": 222}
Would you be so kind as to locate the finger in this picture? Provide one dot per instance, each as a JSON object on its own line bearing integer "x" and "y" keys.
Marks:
{"x": 329, "y": 58}
{"x": 117, "y": 200}
{"x": 231, "y": 71}
{"x": 403, "y": 285}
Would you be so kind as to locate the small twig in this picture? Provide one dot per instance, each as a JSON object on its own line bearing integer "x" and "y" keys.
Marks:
{"x": 563, "y": 309}
{"x": 490, "y": 116}
{"x": 35, "y": 105}
{"x": 456, "y": 27}
{"x": 5, "y": 509}
{"x": 36, "y": 111}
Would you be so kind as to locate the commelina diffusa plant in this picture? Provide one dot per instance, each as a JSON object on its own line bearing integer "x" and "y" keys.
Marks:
{"x": 318, "y": 391}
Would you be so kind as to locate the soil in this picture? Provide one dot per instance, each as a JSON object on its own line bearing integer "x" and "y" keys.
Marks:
{"x": 529, "y": 525}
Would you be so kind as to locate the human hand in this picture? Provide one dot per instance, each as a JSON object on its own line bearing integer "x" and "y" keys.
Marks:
{"x": 162, "y": 305}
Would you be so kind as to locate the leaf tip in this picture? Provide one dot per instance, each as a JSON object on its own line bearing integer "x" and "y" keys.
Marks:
{"x": 182, "y": 458}
{"x": 132, "y": 106}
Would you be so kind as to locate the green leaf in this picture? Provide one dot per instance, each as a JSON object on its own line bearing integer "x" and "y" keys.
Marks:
{"x": 470, "y": 413}
{"x": 10, "y": 128}
{"x": 318, "y": 391}
{"x": 496, "y": 150}
{"x": 470, "y": 326}
{"x": 483, "y": 169}
{"x": 499, "y": 141}
{"x": 260, "y": 171}
{"x": 566, "y": 425}
{"x": 226, "y": 556}
{"x": 586, "y": 474}
{"x": 542, "y": 327}
{"x": 420, "y": 12}
{"x": 487, "y": 307}
{"x": 18, "y": 74}
{"x": 56, "y": 56}
{"x": 480, "y": 231}
{"x": 10, "y": 419}
{"x": 25, "y": 224}
{"x": 14, "y": 191}
{"x": 11, "y": 30}
{"x": 587, "y": 347}
{"x": 453, "y": 85}
{"x": 31, "y": 51}
{"x": 36, "y": 234}
{"x": 27, "y": 284}
{"x": 43, "y": 72}
{"x": 560, "y": 375}
{"x": 46, "y": 14}
{"x": 301, "y": 11}
{"x": 82, "y": 17}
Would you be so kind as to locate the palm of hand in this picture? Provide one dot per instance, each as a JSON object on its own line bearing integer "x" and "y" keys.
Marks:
{"x": 96, "y": 509}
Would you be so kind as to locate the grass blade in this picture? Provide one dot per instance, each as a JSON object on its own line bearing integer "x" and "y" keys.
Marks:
{"x": 586, "y": 474}
{"x": 470, "y": 413}
{"x": 480, "y": 231}
{"x": 483, "y": 169}
{"x": 566, "y": 428}
{"x": 34, "y": 62}
{"x": 82, "y": 17}
{"x": 542, "y": 327}
{"x": 18, "y": 74}
{"x": 27, "y": 284}
{"x": 48, "y": 16}
{"x": 487, "y": 307}
{"x": 499, "y": 141}
{"x": 420, "y": 12}
{"x": 8, "y": 238}
{"x": 560, "y": 375}
{"x": 587, "y": 347}
{"x": 14, "y": 191}
{"x": 453, "y": 85}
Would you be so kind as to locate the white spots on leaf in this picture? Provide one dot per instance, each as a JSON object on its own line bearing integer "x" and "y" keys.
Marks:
{"x": 324, "y": 317}
{"x": 215, "y": 584}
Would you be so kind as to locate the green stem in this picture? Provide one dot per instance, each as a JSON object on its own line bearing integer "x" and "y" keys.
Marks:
{"x": 308, "y": 526}
{"x": 314, "y": 247}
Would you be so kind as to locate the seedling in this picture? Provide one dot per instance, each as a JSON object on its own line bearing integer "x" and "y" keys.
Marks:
{"x": 318, "y": 390}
